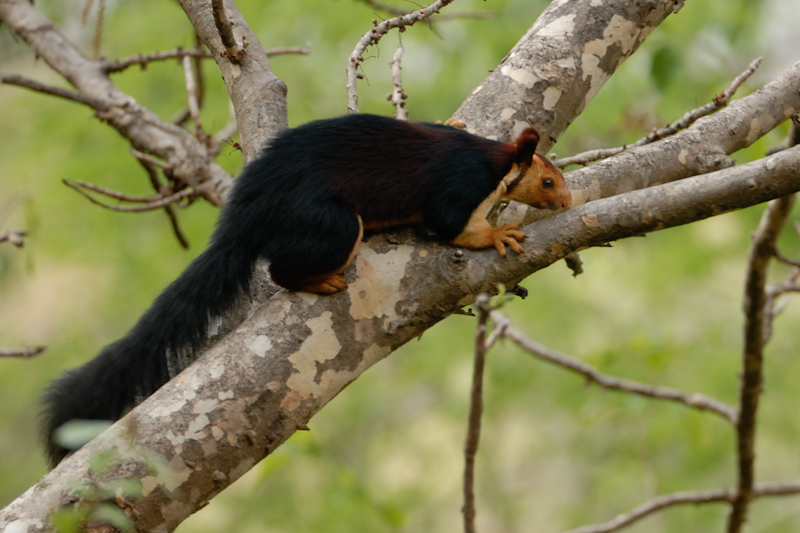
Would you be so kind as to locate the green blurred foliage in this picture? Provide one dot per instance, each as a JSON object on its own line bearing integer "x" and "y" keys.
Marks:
{"x": 386, "y": 455}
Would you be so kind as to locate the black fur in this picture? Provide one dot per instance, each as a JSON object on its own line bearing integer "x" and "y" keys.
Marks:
{"x": 295, "y": 205}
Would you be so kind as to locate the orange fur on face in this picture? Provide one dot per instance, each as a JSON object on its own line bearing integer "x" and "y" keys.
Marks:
{"x": 539, "y": 185}
{"x": 542, "y": 185}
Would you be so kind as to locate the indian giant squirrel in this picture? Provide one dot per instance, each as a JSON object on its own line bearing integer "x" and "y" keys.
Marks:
{"x": 303, "y": 205}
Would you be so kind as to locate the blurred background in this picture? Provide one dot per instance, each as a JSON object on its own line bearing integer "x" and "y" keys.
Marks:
{"x": 386, "y": 455}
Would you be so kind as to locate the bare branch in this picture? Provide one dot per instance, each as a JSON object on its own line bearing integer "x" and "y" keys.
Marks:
{"x": 482, "y": 305}
{"x": 117, "y": 65}
{"x": 498, "y": 332}
{"x": 451, "y": 15}
{"x": 145, "y": 130}
{"x": 398, "y": 95}
{"x": 23, "y": 353}
{"x": 150, "y": 160}
{"x": 695, "y": 400}
{"x": 373, "y": 36}
{"x": 191, "y": 91}
{"x": 792, "y": 138}
{"x": 152, "y": 203}
{"x": 14, "y": 236}
{"x": 684, "y": 122}
{"x": 21, "y": 81}
{"x": 173, "y": 218}
{"x": 756, "y": 314}
{"x": 682, "y": 498}
{"x": 234, "y": 51}
{"x": 262, "y": 113}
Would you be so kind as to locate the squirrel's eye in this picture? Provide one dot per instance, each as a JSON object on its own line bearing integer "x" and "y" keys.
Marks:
{"x": 547, "y": 183}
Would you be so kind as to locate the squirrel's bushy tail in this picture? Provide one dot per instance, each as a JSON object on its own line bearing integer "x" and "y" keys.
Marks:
{"x": 158, "y": 346}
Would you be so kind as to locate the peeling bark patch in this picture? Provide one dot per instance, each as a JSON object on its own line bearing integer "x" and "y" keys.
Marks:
{"x": 197, "y": 428}
{"x": 561, "y": 26}
{"x": 22, "y": 526}
{"x": 590, "y": 65}
{"x": 332, "y": 381}
{"x": 591, "y": 221}
{"x": 551, "y": 97}
{"x": 755, "y": 130}
{"x": 320, "y": 346}
{"x": 682, "y": 156}
{"x": 377, "y": 286}
{"x": 218, "y": 369}
{"x": 579, "y": 197}
{"x": 168, "y": 408}
{"x": 308, "y": 297}
{"x": 520, "y": 75}
{"x": 205, "y": 406}
{"x": 519, "y": 127}
{"x": 170, "y": 478}
{"x": 620, "y": 31}
{"x": 507, "y": 113}
{"x": 260, "y": 345}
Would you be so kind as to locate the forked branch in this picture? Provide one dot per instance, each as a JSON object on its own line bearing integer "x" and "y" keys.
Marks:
{"x": 374, "y": 35}
{"x": 684, "y": 122}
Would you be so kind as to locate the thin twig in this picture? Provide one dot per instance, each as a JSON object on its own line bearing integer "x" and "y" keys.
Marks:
{"x": 150, "y": 160}
{"x": 373, "y": 36}
{"x": 498, "y": 331}
{"x": 227, "y": 132}
{"x": 755, "y": 301}
{"x": 684, "y": 122}
{"x": 774, "y": 306}
{"x": 97, "y": 41}
{"x": 398, "y": 95}
{"x": 155, "y": 202}
{"x": 695, "y": 400}
{"x": 194, "y": 106}
{"x": 173, "y": 218}
{"x": 452, "y": 15}
{"x": 111, "y": 193}
{"x": 21, "y": 352}
{"x": 117, "y": 65}
{"x": 682, "y": 498}
{"x": 21, "y": 81}
{"x": 233, "y": 50}
{"x": 14, "y": 236}
{"x": 482, "y": 306}
{"x": 792, "y": 137}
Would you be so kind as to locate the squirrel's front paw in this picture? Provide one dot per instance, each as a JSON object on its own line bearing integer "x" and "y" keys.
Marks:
{"x": 508, "y": 234}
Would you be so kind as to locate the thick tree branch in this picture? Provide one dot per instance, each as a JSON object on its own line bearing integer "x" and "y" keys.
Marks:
{"x": 145, "y": 130}
{"x": 258, "y": 385}
{"x": 252, "y": 389}
{"x": 260, "y": 113}
{"x": 684, "y": 122}
{"x": 558, "y": 66}
{"x": 701, "y": 148}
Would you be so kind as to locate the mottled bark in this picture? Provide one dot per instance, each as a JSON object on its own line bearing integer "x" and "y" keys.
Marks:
{"x": 288, "y": 354}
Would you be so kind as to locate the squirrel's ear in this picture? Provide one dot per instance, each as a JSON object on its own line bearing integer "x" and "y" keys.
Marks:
{"x": 526, "y": 146}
